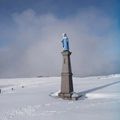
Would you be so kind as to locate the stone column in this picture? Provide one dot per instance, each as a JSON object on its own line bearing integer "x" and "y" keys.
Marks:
{"x": 66, "y": 77}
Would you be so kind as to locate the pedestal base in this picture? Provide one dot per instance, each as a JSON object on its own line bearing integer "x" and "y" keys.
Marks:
{"x": 69, "y": 96}
{"x": 65, "y": 95}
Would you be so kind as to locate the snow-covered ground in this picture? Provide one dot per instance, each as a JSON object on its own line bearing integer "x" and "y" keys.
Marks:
{"x": 29, "y": 99}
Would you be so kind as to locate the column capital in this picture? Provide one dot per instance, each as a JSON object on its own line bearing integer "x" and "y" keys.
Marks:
{"x": 66, "y": 52}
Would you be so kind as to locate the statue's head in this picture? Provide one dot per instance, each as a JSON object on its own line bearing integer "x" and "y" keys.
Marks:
{"x": 64, "y": 35}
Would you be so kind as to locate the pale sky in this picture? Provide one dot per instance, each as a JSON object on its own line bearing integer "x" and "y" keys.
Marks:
{"x": 31, "y": 33}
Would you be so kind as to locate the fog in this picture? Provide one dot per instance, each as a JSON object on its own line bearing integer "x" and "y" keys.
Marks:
{"x": 34, "y": 44}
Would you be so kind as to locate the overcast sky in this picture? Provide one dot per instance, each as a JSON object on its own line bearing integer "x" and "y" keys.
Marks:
{"x": 31, "y": 33}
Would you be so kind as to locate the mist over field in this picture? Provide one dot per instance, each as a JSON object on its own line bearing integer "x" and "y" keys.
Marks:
{"x": 32, "y": 43}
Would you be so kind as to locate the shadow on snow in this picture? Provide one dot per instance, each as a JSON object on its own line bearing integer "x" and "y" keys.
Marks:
{"x": 83, "y": 93}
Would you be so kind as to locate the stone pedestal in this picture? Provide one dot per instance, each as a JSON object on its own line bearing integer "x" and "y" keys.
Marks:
{"x": 66, "y": 77}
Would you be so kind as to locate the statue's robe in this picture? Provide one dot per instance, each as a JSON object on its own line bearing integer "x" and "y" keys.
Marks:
{"x": 65, "y": 43}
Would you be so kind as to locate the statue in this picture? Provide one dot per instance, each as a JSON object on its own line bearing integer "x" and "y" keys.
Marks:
{"x": 67, "y": 91}
{"x": 65, "y": 42}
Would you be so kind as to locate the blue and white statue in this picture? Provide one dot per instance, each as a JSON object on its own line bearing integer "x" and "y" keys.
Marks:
{"x": 65, "y": 42}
